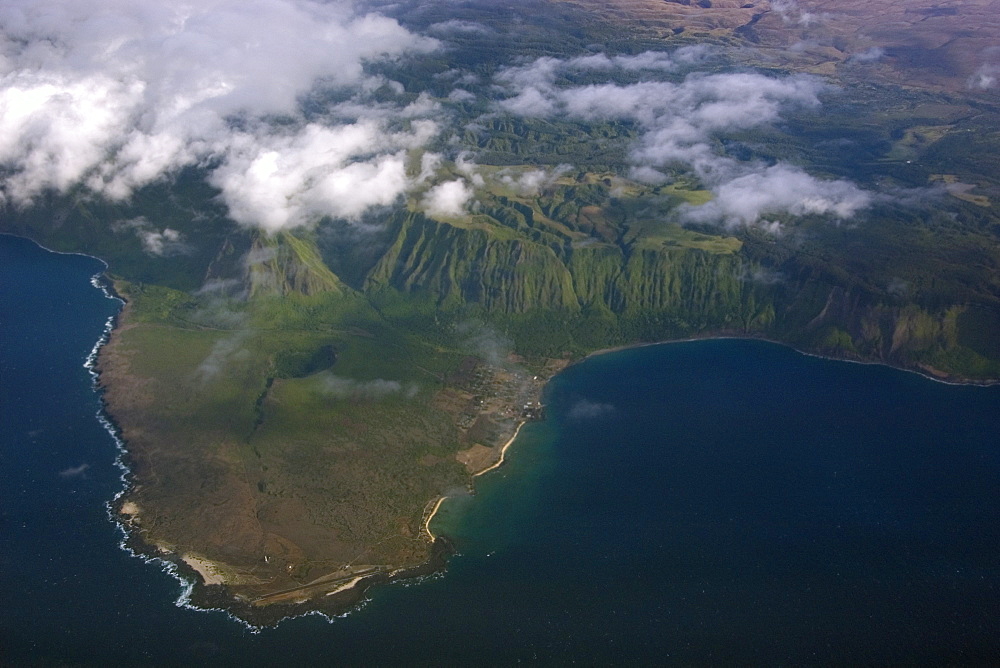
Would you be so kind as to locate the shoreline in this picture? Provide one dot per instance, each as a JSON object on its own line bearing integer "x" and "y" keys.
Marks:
{"x": 491, "y": 467}
{"x": 503, "y": 451}
{"x": 427, "y": 522}
{"x": 201, "y": 586}
{"x": 694, "y": 339}
{"x": 202, "y": 592}
{"x": 51, "y": 250}
{"x": 946, "y": 380}
{"x": 207, "y": 569}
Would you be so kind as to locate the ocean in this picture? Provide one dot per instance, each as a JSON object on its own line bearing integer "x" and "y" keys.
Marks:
{"x": 705, "y": 502}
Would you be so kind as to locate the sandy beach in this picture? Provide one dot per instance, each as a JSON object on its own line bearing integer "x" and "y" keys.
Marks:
{"x": 427, "y": 523}
{"x": 347, "y": 585}
{"x": 208, "y": 570}
{"x": 503, "y": 452}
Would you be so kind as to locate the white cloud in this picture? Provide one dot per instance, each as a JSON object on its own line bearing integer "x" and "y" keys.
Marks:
{"x": 679, "y": 122}
{"x": 429, "y": 164}
{"x": 465, "y": 164}
{"x": 224, "y": 352}
{"x": 482, "y": 340}
{"x": 118, "y": 93}
{"x": 898, "y": 287}
{"x": 531, "y": 102}
{"x": 448, "y": 199}
{"x": 461, "y": 95}
{"x": 759, "y": 275}
{"x": 53, "y": 131}
{"x": 165, "y": 242}
{"x": 780, "y": 188}
{"x": 544, "y": 71}
{"x": 75, "y": 471}
{"x": 985, "y": 77}
{"x": 279, "y": 181}
{"x": 647, "y": 174}
{"x": 457, "y": 26}
{"x": 584, "y": 409}
{"x": 869, "y": 55}
{"x": 792, "y": 14}
{"x": 532, "y": 182}
{"x": 347, "y": 388}
{"x": 469, "y": 169}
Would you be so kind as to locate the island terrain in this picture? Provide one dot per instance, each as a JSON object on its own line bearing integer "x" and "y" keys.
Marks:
{"x": 296, "y": 400}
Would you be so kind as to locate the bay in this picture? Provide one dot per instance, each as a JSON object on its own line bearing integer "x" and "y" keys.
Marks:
{"x": 705, "y": 502}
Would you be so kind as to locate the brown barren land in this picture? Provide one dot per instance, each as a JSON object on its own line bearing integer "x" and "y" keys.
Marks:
{"x": 935, "y": 44}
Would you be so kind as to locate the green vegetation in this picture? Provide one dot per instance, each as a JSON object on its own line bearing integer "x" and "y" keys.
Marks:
{"x": 293, "y": 401}
{"x": 318, "y": 438}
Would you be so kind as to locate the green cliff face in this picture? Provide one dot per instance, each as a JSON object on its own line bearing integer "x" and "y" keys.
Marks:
{"x": 284, "y": 264}
{"x": 684, "y": 282}
{"x": 455, "y": 266}
{"x": 552, "y": 296}
{"x": 558, "y": 297}
{"x": 939, "y": 341}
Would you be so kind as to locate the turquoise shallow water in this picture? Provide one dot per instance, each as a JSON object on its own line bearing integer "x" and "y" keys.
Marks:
{"x": 709, "y": 502}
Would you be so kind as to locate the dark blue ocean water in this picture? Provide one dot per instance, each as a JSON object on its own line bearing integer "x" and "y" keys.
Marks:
{"x": 711, "y": 502}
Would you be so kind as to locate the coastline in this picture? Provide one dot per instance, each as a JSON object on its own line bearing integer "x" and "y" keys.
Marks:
{"x": 921, "y": 371}
{"x": 427, "y": 522}
{"x": 205, "y": 583}
{"x": 495, "y": 465}
{"x": 205, "y": 589}
{"x": 208, "y": 570}
{"x": 50, "y": 250}
{"x": 503, "y": 451}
